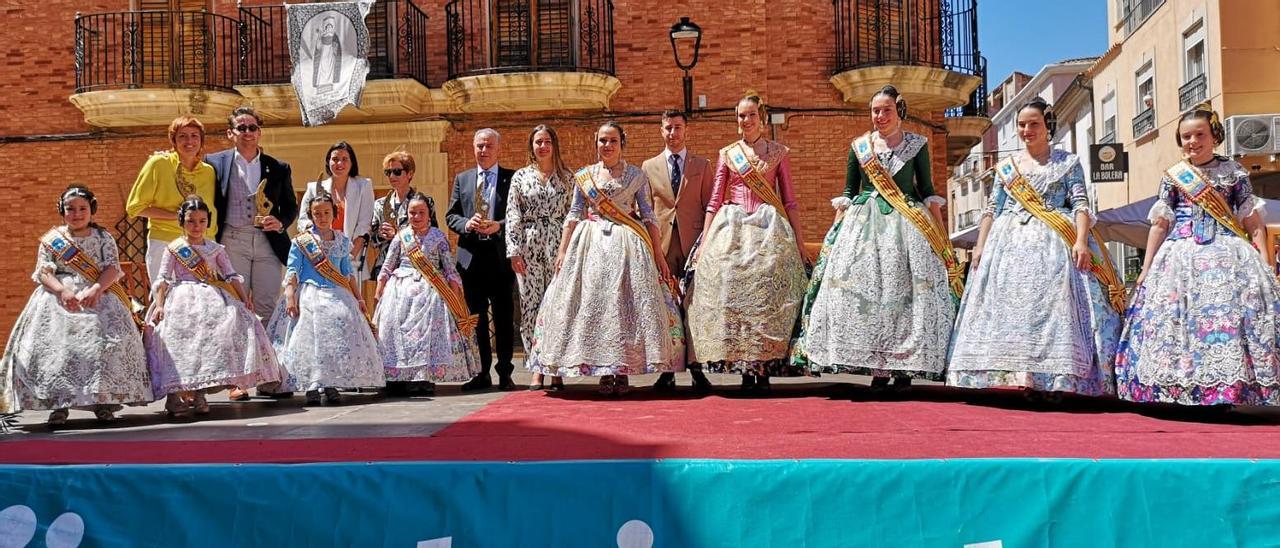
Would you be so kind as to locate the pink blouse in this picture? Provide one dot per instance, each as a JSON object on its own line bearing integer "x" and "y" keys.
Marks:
{"x": 731, "y": 189}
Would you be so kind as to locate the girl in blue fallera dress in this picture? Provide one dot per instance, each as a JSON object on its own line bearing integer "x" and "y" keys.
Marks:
{"x": 1204, "y": 324}
{"x": 319, "y": 330}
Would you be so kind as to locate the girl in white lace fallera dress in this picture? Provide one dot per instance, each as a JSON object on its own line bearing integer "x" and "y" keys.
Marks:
{"x": 606, "y": 312}
{"x": 1034, "y": 316}
{"x": 420, "y": 335}
{"x": 205, "y": 337}
{"x": 319, "y": 330}
{"x": 75, "y": 344}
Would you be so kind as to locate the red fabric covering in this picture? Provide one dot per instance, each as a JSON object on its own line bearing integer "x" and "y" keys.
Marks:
{"x": 536, "y": 426}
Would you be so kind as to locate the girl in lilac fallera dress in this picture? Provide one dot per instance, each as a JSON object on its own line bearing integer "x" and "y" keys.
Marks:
{"x": 205, "y": 338}
{"x": 1204, "y": 326}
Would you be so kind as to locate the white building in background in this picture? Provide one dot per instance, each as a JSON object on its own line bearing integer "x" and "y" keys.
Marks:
{"x": 970, "y": 183}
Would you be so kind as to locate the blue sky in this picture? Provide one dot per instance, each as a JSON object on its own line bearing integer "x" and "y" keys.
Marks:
{"x": 1026, "y": 35}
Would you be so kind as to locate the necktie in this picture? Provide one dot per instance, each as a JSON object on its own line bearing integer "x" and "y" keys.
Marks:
{"x": 675, "y": 174}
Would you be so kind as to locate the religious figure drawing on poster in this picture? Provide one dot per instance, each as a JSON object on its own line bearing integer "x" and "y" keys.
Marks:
{"x": 329, "y": 46}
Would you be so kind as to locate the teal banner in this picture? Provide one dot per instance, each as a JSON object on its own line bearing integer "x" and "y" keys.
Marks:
{"x": 638, "y": 504}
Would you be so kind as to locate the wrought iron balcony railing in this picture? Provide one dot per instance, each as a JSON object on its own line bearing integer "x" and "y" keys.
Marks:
{"x": 397, "y": 43}
{"x": 1144, "y": 122}
{"x": 977, "y": 105}
{"x": 136, "y": 49}
{"x": 1192, "y": 93}
{"x": 930, "y": 33}
{"x": 495, "y": 36}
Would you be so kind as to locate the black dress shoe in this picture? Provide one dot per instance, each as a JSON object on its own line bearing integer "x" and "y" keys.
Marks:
{"x": 701, "y": 384}
{"x": 666, "y": 383}
{"x": 748, "y": 383}
{"x": 481, "y": 382}
{"x": 505, "y": 384}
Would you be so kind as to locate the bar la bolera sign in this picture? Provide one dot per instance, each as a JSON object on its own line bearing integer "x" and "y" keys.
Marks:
{"x": 1108, "y": 163}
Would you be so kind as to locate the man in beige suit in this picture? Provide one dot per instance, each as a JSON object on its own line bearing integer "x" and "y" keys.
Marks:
{"x": 680, "y": 184}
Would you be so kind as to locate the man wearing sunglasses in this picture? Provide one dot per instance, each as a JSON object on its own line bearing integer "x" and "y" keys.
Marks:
{"x": 258, "y": 245}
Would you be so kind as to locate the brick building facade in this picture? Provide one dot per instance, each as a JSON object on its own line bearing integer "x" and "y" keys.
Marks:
{"x": 785, "y": 50}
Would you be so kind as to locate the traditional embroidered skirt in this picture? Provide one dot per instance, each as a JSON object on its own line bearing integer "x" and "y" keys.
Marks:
{"x": 418, "y": 336}
{"x": 745, "y": 295}
{"x": 329, "y": 344}
{"x": 1203, "y": 328}
{"x": 56, "y": 358}
{"x": 1031, "y": 319}
{"x": 879, "y": 302}
{"x": 208, "y": 339}
{"x": 605, "y": 312}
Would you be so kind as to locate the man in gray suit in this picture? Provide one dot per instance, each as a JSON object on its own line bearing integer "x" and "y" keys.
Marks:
{"x": 477, "y": 214}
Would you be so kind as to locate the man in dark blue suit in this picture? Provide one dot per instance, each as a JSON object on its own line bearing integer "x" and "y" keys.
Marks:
{"x": 477, "y": 214}
{"x": 257, "y": 241}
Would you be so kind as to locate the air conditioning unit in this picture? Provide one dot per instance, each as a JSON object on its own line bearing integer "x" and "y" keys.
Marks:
{"x": 1253, "y": 134}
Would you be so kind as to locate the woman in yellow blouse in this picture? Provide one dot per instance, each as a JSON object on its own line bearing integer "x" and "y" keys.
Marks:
{"x": 165, "y": 181}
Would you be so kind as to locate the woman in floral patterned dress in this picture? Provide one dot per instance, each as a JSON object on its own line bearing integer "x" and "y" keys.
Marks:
{"x": 606, "y": 312}
{"x": 1203, "y": 327}
{"x": 75, "y": 344}
{"x": 419, "y": 337}
{"x": 1033, "y": 316}
{"x": 879, "y": 303}
{"x": 318, "y": 329}
{"x": 536, "y": 206}
{"x": 748, "y": 269}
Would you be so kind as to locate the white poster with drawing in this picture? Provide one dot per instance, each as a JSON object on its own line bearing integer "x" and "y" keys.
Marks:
{"x": 329, "y": 47}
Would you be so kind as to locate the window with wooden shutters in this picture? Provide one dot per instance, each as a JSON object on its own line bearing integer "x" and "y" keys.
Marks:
{"x": 533, "y": 33}
{"x": 172, "y": 39}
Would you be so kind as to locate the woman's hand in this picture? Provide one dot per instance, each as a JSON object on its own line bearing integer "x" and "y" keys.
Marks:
{"x": 386, "y": 231}
{"x": 69, "y": 300}
{"x": 90, "y": 296}
{"x": 974, "y": 257}
{"x": 291, "y": 304}
{"x": 363, "y": 310}
{"x": 663, "y": 269}
{"x": 157, "y": 314}
{"x": 559, "y": 261}
{"x": 517, "y": 264}
{"x": 1082, "y": 254}
{"x": 1142, "y": 278}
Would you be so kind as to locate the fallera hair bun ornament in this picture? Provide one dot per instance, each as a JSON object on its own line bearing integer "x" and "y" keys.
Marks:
{"x": 899, "y": 102}
{"x": 77, "y": 190}
{"x": 1204, "y": 111}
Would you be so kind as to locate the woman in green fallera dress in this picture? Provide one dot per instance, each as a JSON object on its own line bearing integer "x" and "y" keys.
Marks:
{"x": 879, "y": 303}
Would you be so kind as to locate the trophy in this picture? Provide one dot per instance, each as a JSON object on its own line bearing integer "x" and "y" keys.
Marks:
{"x": 262, "y": 203}
{"x": 482, "y": 209}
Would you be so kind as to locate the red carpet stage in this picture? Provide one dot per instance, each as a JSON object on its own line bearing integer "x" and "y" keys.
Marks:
{"x": 798, "y": 423}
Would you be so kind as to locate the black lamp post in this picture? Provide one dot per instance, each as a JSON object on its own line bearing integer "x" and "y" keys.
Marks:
{"x": 684, "y": 31}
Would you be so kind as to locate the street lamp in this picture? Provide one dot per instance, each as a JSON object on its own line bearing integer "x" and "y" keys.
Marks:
{"x": 683, "y": 32}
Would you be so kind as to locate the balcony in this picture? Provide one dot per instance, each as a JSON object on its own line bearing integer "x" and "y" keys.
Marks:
{"x": 967, "y": 124}
{"x": 1144, "y": 123}
{"x": 1192, "y": 93}
{"x": 140, "y": 68}
{"x": 523, "y": 55}
{"x": 396, "y": 86}
{"x": 928, "y": 49}
{"x": 1136, "y": 12}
